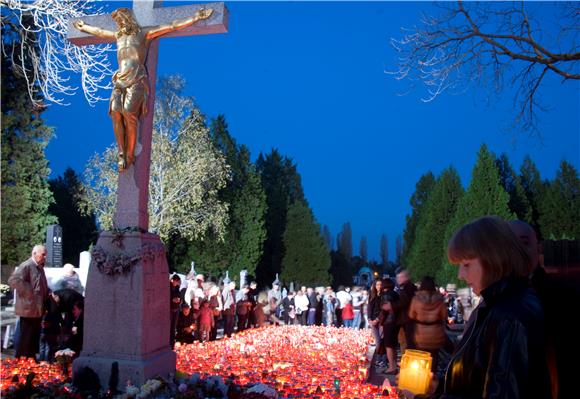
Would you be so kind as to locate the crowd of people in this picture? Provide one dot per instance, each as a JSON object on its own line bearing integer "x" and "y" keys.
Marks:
{"x": 200, "y": 309}
{"x": 511, "y": 347}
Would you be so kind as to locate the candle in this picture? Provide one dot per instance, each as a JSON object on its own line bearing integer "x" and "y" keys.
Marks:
{"x": 415, "y": 371}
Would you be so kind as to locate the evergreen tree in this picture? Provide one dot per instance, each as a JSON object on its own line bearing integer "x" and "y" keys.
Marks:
{"x": 560, "y": 205}
{"x": 418, "y": 199}
{"x": 384, "y": 250}
{"x": 345, "y": 241}
{"x": 25, "y": 192}
{"x": 79, "y": 231}
{"x": 398, "y": 250}
{"x": 512, "y": 184}
{"x": 306, "y": 260}
{"x": 533, "y": 189}
{"x": 327, "y": 235}
{"x": 340, "y": 270}
{"x": 363, "y": 249}
{"x": 282, "y": 185}
{"x": 427, "y": 252}
{"x": 484, "y": 196}
{"x": 241, "y": 247}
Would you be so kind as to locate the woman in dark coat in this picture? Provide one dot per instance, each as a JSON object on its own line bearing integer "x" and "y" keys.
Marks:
{"x": 374, "y": 313}
{"x": 389, "y": 307}
{"x": 502, "y": 352}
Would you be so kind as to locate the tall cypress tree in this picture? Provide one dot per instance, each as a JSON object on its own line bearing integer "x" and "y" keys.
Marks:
{"x": 327, "y": 235}
{"x": 398, "y": 250}
{"x": 484, "y": 196}
{"x": 363, "y": 249}
{"x": 533, "y": 189}
{"x": 306, "y": 260}
{"x": 345, "y": 241}
{"x": 384, "y": 250}
{"x": 512, "y": 184}
{"x": 426, "y": 254}
{"x": 25, "y": 192}
{"x": 340, "y": 270}
{"x": 560, "y": 205}
{"x": 282, "y": 185}
{"x": 418, "y": 199}
{"x": 79, "y": 231}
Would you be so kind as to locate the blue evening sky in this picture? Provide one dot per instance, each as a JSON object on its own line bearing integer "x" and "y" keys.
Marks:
{"x": 309, "y": 79}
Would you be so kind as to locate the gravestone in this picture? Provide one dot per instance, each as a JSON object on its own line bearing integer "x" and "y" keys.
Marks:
{"x": 53, "y": 246}
{"x": 127, "y": 291}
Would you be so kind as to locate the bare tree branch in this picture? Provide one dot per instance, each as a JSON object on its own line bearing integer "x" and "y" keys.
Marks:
{"x": 488, "y": 44}
{"x": 45, "y": 58}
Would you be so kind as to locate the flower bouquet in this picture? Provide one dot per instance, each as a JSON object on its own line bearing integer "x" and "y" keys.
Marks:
{"x": 64, "y": 358}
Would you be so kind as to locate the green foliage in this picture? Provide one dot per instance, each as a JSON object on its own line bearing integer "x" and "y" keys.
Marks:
{"x": 512, "y": 184}
{"x": 25, "y": 192}
{"x": 245, "y": 233}
{"x": 283, "y": 186}
{"x": 306, "y": 260}
{"x": 425, "y": 256}
{"x": 418, "y": 199}
{"x": 560, "y": 205}
{"x": 533, "y": 189}
{"x": 78, "y": 231}
{"x": 187, "y": 173}
{"x": 484, "y": 196}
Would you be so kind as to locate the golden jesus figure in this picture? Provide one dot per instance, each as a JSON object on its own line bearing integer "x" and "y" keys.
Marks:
{"x": 130, "y": 81}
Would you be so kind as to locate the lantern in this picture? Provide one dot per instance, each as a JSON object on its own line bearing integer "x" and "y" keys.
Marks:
{"x": 415, "y": 371}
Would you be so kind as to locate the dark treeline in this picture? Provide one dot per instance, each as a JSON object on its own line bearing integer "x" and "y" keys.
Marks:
{"x": 440, "y": 206}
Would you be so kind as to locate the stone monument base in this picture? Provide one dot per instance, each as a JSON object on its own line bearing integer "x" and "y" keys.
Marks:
{"x": 136, "y": 370}
{"x": 126, "y": 316}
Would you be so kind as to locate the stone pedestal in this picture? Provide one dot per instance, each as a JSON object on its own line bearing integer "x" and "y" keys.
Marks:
{"x": 127, "y": 309}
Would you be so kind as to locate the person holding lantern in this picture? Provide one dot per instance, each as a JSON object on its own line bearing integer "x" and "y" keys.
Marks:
{"x": 185, "y": 325}
{"x": 429, "y": 314}
{"x": 502, "y": 352}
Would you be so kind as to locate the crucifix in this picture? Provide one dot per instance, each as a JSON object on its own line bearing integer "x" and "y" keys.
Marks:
{"x": 132, "y": 100}
{"x": 126, "y": 316}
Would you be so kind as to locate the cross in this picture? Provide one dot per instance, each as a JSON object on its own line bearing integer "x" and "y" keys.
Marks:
{"x": 133, "y": 184}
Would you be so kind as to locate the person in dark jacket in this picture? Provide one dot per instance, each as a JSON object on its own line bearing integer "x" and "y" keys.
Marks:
{"x": 66, "y": 299}
{"x": 406, "y": 290}
{"x": 502, "y": 352}
{"x": 50, "y": 331}
{"x": 185, "y": 325}
{"x": 553, "y": 294}
{"x": 174, "y": 304}
{"x": 374, "y": 312}
{"x": 389, "y": 306}
{"x": 75, "y": 341}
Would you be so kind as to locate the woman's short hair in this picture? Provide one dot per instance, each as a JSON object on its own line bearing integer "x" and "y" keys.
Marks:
{"x": 492, "y": 241}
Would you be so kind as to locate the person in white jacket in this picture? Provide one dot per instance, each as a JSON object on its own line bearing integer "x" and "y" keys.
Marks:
{"x": 301, "y": 303}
